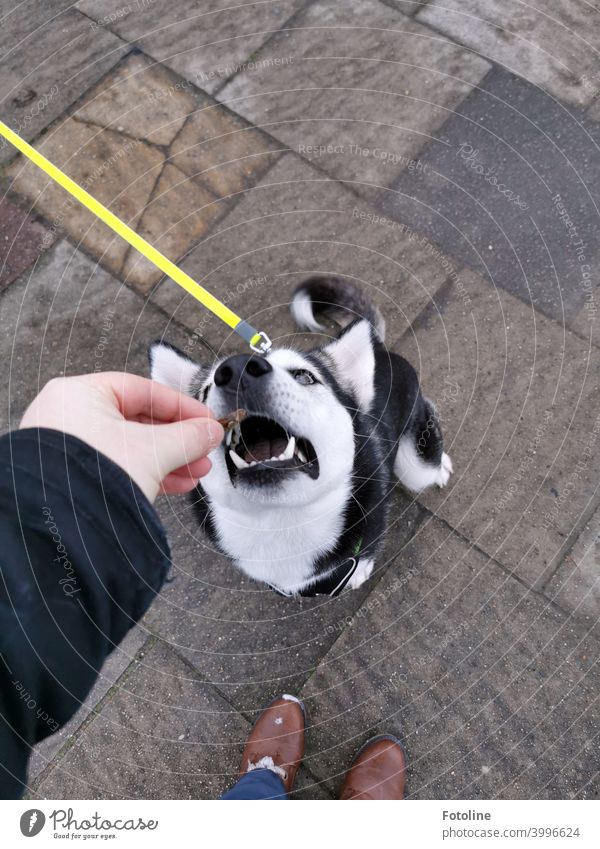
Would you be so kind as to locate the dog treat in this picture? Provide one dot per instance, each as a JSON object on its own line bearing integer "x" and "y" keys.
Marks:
{"x": 231, "y": 419}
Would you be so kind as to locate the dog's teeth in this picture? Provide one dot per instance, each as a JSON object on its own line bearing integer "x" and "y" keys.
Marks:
{"x": 239, "y": 461}
{"x": 301, "y": 456}
{"x": 289, "y": 451}
{"x": 234, "y": 435}
{"x": 228, "y": 437}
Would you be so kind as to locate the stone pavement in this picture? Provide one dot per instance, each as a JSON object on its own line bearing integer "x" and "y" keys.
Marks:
{"x": 445, "y": 156}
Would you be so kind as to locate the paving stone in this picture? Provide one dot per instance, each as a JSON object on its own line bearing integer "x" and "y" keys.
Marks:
{"x": 205, "y": 45}
{"x": 368, "y": 82}
{"x": 536, "y": 237}
{"x": 491, "y": 689}
{"x": 518, "y": 399}
{"x": 115, "y": 666}
{"x": 594, "y": 111}
{"x": 247, "y": 641}
{"x": 120, "y": 172}
{"x": 575, "y": 586}
{"x": 162, "y": 734}
{"x": 295, "y": 223}
{"x": 307, "y": 786}
{"x": 52, "y": 7}
{"x": 68, "y": 316}
{"x": 22, "y": 240}
{"x": 175, "y": 219}
{"x": 407, "y": 7}
{"x": 165, "y": 734}
{"x": 554, "y": 47}
{"x": 140, "y": 98}
{"x": 51, "y": 56}
{"x": 222, "y": 151}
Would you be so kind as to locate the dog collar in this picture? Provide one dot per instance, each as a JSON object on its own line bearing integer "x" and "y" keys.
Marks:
{"x": 335, "y": 583}
{"x": 331, "y": 585}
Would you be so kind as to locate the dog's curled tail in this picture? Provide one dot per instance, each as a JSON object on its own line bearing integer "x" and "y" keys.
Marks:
{"x": 334, "y": 298}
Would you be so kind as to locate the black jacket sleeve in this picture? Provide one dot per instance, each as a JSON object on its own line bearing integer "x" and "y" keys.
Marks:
{"x": 82, "y": 555}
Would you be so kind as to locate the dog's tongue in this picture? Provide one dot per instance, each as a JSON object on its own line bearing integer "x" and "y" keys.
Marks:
{"x": 264, "y": 449}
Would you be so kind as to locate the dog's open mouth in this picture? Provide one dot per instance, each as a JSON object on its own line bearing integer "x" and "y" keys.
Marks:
{"x": 258, "y": 444}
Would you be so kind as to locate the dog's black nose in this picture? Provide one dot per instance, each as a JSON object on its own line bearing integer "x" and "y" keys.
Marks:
{"x": 234, "y": 372}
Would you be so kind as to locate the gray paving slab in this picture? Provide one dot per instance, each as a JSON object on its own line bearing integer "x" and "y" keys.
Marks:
{"x": 519, "y": 403}
{"x": 510, "y": 187}
{"x": 222, "y": 151}
{"x": 68, "y": 316}
{"x": 179, "y": 212}
{"x": 51, "y": 8}
{"x": 407, "y": 7}
{"x": 250, "y": 643}
{"x": 205, "y": 44}
{"x": 293, "y": 223}
{"x": 366, "y": 90}
{"x": 116, "y": 665}
{"x": 553, "y": 46}
{"x": 493, "y": 692}
{"x": 594, "y": 111}
{"x": 163, "y": 734}
{"x": 50, "y": 55}
{"x": 140, "y": 98}
{"x": 575, "y": 585}
{"x": 22, "y": 240}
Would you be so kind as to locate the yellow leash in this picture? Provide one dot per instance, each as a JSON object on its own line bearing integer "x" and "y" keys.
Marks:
{"x": 258, "y": 340}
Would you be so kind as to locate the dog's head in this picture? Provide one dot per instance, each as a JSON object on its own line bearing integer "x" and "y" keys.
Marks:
{"x": 296, "y": 443}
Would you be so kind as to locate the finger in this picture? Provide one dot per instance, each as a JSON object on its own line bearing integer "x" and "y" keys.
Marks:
{"x": 191, "y": 470}
{"x": 182, "y": 443}
{"x": 137, "y": 396}
{"x": 175, "y": 484}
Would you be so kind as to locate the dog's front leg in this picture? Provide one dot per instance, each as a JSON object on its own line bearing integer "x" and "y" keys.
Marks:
{"x": 362, "y": 573}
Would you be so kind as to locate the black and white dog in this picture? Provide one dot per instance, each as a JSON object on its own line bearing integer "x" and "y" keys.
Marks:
{"x": 298, "y": 494}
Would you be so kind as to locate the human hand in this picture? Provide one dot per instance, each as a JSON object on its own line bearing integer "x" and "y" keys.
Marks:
{"x": 158, "y": 436}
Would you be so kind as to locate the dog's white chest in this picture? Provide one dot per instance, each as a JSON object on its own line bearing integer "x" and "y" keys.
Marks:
{"x": 280, "y": 546}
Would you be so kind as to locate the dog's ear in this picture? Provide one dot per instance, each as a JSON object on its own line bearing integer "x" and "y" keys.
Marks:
{"x": 170, "y": 366}
{"x": 352, "y": 361}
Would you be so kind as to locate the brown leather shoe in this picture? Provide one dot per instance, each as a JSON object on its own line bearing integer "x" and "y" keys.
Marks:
{"x": 377, "y": 772}
{"x": 277, "y": 740}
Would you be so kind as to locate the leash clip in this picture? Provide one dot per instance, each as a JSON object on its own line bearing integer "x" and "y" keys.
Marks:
{"x": 263, "y": 346}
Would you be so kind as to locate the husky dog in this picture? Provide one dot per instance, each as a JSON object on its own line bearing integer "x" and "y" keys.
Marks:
{"x": 298, "y": 493}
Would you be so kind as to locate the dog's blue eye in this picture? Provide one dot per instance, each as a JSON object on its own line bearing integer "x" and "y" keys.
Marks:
{"x": 303, "y": 376}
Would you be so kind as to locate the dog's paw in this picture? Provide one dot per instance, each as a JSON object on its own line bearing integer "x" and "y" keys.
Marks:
{"x": 445, "y": 471}
{"x": 362, "y": 573}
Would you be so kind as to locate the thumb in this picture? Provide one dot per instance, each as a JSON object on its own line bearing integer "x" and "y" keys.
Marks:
{"x": 180, "y": 443}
